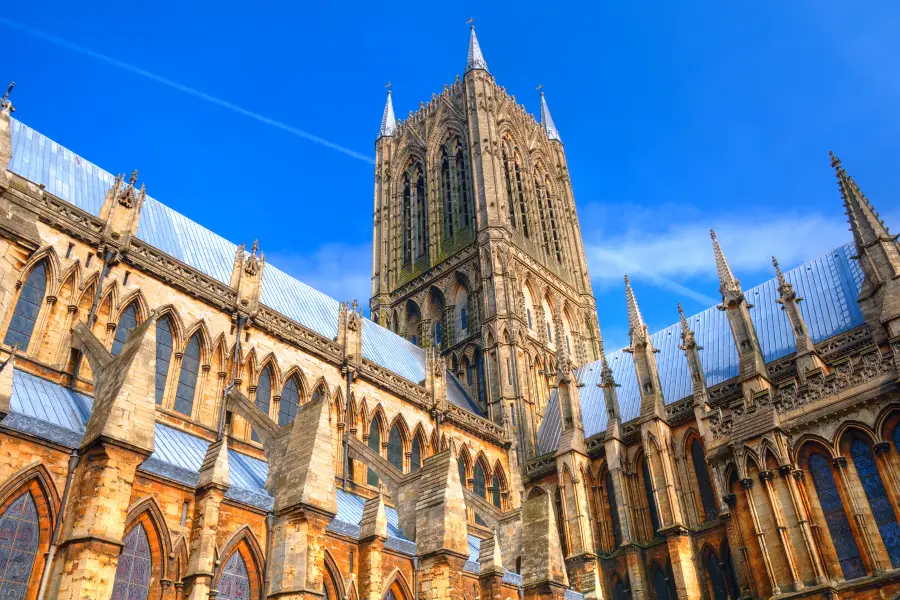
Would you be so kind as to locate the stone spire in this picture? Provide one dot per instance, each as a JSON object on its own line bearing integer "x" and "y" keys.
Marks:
{"x": 879, "y": 256}
{"x": 692, "y": 352}
{"x": 388, "y": 122}
{"x": 547, "y": 121}
{"x": 476, "y": 58}
{"x": 729, "y": 286}
{"x": 806, "y": 356}
{"x": 644, "y": 359}
{"x": 610, "y": 398}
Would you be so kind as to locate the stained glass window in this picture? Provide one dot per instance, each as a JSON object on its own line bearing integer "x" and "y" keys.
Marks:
{"x": 707, "y": 497}
{"x": 389, "y": 595}
{"x": 836, "y": 517}
{"x": 879, "y": 502}
{"x": 234, "y": 584}
{"x": 395, "y": 447}
{"x": 18, "y": 546}
{"x": 290, "y": 402}
{"x": 25, "y": 315}
{"x": 374, "y": 444}
{"x": 461, "y": 467}
{"x": 133, "y": 573}
{"x": 187, "y": 379}
{"x": 164, "y": 346}
{"x": 415, "y": 457}
{"x": 478, "y": 483}
{"x": 716, "y": 579}
{"x": 613, "y": 510}
{"x": 660, "y": 585}
{"x": 651, "y": 500}
{"x": 496, "y": 496}
{"x": 127, "y": 323}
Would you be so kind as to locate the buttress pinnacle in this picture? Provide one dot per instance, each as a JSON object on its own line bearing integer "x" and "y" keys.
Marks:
{"x": 636, "y": 324}
{"x": 865, "y": 223}
{"x": 728, "y": 283}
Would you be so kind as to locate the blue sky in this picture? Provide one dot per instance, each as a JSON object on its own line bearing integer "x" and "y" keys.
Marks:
{"x": 675, "y": 119}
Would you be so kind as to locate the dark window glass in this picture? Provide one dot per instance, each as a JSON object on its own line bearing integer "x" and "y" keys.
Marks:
{"x": 19, "y": 532}
{"x": 133, "y": 573}
{"x": 528, "y": 312}
{"x": 510, "y": 199}
{"x": 187, "y": 379}
{"x": 621, "y": 590}
{"x": 437, "y": 333}
{"x": 447, "y": 196}
{"x": 25, "y": 315}
{"x": 127, "y": 323}
{"x": 234, "y": 584}
{"x": 290, "y": 402}
{"x": 263, "y": 395}
{"x": 836, "y": 517}
{"x": 703, "y": 481}
{"x": 422, "y": 238}
{"x": 613, "y": 510}
{"x": 660, "y": 585}
{"x": 463, "y": 319}
{"x": 651, "y": 501}
{"x": 415, "y": 457}
{"x": 716, "y": 579}
{"x": 478, "y": 484}
{"x": 468, "y": 373}
{"x": 462, "y": 190}
{"x": 163, "y": 356}
{"x": 878, "y": 499}
{"x": 734, "y": 589}
{"x": 395, "y": 447}
{"x": 374, "y": 444}
{"x": 461, "y": 467}
{"x": 496, "y": 496}
{"x": 407, "y": 221}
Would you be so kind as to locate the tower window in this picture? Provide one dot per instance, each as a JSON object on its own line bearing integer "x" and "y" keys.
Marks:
{"x": 463, "y": 319}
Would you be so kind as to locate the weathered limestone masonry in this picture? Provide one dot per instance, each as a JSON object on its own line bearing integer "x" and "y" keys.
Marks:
{"x": 166, "y": 434}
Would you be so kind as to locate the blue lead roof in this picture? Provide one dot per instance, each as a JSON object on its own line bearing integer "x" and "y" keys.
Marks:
{"x": 829, "y": 284}
{"x": 68, "y": 176}
{"x": 50, "y": 411}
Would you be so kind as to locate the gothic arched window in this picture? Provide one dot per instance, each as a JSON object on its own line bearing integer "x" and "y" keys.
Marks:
{"x": 407, "y": 224}
{"x": 836, "y": 517}
{"x": 660, "y": 584}
{"x": 520, "y": 192}
{"x": 28, "y": 306}
{"x": 651, "y": 500}
{"x": 707, "y": 497}
{"x": 446, "y": 194}
{"x": 290, "y": 401}
{"x": 540, "y": 192}
{"x": 879, "y": 501}
{"x": 422, "y": 237}
{"x": 463, "y": 319}
{"x": 19, "y": 530}
{"x": 613, "y": 510}
{"x": 461, "y": 467}
{"x": 374, "y": 444}
{"x": 234, "y": 584}
{"x": 621, "y": 589}
{"x": 496, "y": 492}
{"x": 714, "y": 576}
{"x": 462, "y": 188}
{"x": 510, "y": 198}
{"x": 164, "y": 346}
{"x": 127, "y": 323}
{"x": 263, "y": 394}
{"x": 415, "y": 457}
{"x": 187, "y": 380}
{"x": 478, "y": 480}
{"x": 734, "y": 589}
{"x": 554, "y": 232}
{"x": 395, "y": 447}
{"x": 133, "y": 573}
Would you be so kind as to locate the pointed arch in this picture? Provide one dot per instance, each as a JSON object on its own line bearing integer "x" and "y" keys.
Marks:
{"x": 397, "y": 585}
{"x": 398, "y": 442}
{"x": 499, "y": 485}
{"x": 23, "y": 320}
{"x": 293, "y": 395}
{"x": 28, "y": 507}
{"x": 148, "y": 510}
{"x": 192, "y": 358}
{"x": 137, "y": 298}
{"x": 53, "y": 268}
{"x": 170, "y": 311}
{"x": 334, "y": 582}
{"x": 144, "y": 561}
{"x": 717, "y": 587}
{"x": 418, "y": 448}
{"x": 201, "y": 330}
{"x": 244, "y": 544}
{"x": 704, "y": 491}
{"x": 179, "y": 562}
{"x": 71, "y": 275}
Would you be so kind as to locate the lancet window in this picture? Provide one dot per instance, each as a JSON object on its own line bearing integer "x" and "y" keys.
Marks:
{"x": 28, "y": 306}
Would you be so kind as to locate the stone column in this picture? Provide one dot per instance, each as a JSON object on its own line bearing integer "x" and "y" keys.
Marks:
{"x": 766, "y": 478}
{"x": 747, "y": 484}
{"x": 119, "y": 436}
{"x": 790, "y": 479}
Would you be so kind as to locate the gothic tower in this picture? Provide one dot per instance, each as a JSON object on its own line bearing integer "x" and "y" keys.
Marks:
{"x": 477, "y": 247}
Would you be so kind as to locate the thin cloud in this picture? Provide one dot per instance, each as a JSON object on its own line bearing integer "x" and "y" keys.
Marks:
{"x": 186, "y": 89}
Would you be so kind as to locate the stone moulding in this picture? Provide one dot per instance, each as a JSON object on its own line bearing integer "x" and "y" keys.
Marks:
{"x": 84, "y": 227}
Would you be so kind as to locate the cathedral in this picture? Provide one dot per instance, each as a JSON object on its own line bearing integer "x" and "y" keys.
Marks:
{"x": 180, "y": 420}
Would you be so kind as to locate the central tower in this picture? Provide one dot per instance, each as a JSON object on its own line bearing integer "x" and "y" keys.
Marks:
{"x": 477, "y": 249}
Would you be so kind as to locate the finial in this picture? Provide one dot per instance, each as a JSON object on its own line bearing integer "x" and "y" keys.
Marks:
{"x": 835, "y": 161}
{"x": 685, "y": 327}
{"x": 5, "y": 102}
{"x": 255, "y": 247}
{"x": 778, "y": 272}
{"x": 635, "y": 320}
{"x": 729, "y": 285}
{"x": 388, "y": 86}
{"x": 134, "y": 177}
{"x": 540, "y": 88}
{"x": 687, "y": 336}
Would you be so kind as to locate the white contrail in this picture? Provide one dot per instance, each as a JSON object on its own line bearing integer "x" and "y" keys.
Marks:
{"x": 183, "y": 88}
